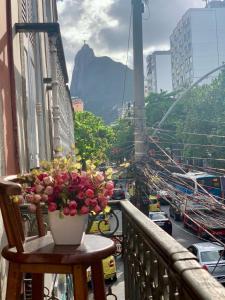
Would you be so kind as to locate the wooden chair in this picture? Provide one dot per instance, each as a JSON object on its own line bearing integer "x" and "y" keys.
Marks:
{"x": 39, "y": 255}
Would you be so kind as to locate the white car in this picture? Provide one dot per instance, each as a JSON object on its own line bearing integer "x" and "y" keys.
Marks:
{"x": 212, "y": 258}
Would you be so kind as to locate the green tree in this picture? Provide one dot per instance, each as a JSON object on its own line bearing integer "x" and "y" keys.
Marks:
{"x": 123, "y": 145}
{"x": 196, "y": 124}
{"x": 93, "y": 137}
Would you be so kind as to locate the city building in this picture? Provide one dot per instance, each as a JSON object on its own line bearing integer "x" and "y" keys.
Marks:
{"x": 36, "y": 115}
{"x": 198, "y": 44}
{"x": 159, "y": 72}
{"x": 78, "y": 104}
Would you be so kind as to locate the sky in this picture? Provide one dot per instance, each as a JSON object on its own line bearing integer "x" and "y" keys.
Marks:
{"x": 104, "y": 25}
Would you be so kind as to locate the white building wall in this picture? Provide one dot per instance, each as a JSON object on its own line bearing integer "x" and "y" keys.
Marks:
{"x": 197, "y": 45}
{"x": 159, "y": 75}
{"x": 163, "y": 71}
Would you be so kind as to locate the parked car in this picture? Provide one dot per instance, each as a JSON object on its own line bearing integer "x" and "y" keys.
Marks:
{"x": 118, "y": 194}
{"x": 163, "y": 197}
{"x": 162, "y": 220}
{"x": 109, "y": 269}
{"x": 208, "y": 255}
{"x": 154, "y": 204}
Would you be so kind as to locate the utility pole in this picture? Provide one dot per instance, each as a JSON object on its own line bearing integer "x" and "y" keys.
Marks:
{"x": 139, "y": 105}
{"x": 139, "y": 115}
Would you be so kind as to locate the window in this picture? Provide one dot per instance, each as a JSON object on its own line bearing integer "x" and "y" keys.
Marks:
{"x": 212, "y": 255}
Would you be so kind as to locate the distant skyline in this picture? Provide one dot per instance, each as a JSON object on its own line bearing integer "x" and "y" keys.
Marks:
{"x": 104, "y": 25}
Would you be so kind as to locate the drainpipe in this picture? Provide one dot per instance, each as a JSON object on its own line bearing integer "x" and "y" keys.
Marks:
{"x": 12, "y": 84}
{"x": 55, "y": 102}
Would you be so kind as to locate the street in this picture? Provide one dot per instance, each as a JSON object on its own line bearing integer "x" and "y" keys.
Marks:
{"x": 184, "y": 236}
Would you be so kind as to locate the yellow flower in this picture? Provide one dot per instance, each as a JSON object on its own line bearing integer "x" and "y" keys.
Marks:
{"x": 76, "y": 151}
{"x": 109, "y": 171}
{"x": 78, "y": 158}
{"x": 78, "y": 166}
{"x": 15, "y": 199}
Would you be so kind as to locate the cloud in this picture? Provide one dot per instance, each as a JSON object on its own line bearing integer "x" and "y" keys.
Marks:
{"x": 105, "y": 26}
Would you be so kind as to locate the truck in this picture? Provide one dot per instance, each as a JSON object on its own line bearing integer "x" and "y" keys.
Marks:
{"x": 202, "y": 219}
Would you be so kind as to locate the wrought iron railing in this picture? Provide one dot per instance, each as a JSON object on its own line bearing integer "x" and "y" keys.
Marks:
{"x": 156, "y": 266}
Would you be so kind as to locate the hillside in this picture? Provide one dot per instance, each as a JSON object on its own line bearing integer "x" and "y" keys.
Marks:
{"x": 99, "y": 82}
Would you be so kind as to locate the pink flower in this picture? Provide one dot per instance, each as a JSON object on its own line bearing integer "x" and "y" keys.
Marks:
{"x": 37, "y": 198}
{"x": 74, "y": 175}
{"x": 108, "y": 192}
{"x": 30, "y": 198}
{"x": 109, "y": 185}
{"x": 104, "y": 204}
{"x": 84, "y": 210}
{"x": 66, "y": 211}
{"x": 93, "y": 202}
{"x": 73, "y": 204}
{"x": 80, "y": 195}
{"x": 48, "y": 190}
{"x": 102, "y": 199}
{"x": 73, "y": 212}
{"x": 44, "y": 198}
{"x": 42, "y": 176}
{"x": 51, "y": 198}
{"x": 48, "y": 180}
{"x": 65, "y": 176}
{"x": 97, "y": 209}
{"x": 87, "y": 202}
{"x": 52, "y": 206}
{"x": 100, "y": 177}
{"x": 89, "y": 193}
{"x": 39, "y": 188}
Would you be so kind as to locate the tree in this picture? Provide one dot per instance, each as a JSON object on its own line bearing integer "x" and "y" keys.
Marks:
{"x": 123, "y": 145}
{"x": 196, "y": 125}
{"x": 93, "y": 137}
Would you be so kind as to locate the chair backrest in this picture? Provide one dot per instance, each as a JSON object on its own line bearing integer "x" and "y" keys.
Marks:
{"x": 11, "y": 213}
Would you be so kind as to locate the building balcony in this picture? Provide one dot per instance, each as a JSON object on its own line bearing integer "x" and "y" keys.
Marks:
{"x": 155, "y": 265}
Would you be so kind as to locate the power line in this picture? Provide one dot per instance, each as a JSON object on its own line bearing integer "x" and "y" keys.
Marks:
{"x": 189, "y": 144}
{"x": 190, "y": 133}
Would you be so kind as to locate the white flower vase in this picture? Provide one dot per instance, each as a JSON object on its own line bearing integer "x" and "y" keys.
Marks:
{"x": 68, "y": 230}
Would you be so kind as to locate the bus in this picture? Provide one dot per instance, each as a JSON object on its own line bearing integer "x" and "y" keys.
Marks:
{"x": 193, "y": 183}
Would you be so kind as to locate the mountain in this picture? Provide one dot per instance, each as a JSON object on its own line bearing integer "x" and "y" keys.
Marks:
{"x": 99, "y": 82}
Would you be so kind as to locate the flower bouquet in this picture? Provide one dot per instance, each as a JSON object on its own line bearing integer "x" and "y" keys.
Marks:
{"x": 70, "y": 194}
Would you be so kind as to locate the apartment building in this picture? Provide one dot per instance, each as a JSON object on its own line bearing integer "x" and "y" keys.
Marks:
{"x": 36, "y": 114}
{"x": 159, "y": 72}
{"x": 198, "y": 44}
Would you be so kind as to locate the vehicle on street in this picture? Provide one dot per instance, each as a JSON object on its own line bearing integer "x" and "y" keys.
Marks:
{"x": 212, "y": 258}
{"x": 198, "y": 184}
{"x": 162, "y": 220}
{"x": 164, "y": 197}
{"x": 174, "y": 210}
{"x": 205, "y": 220}
{"x": 109, "y": 269}
{"x": 154, "y": 204}
{"x": 118, "y": 194}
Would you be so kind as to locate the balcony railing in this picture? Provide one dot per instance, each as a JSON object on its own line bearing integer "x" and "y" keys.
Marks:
{"x": 156, "y": 266}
